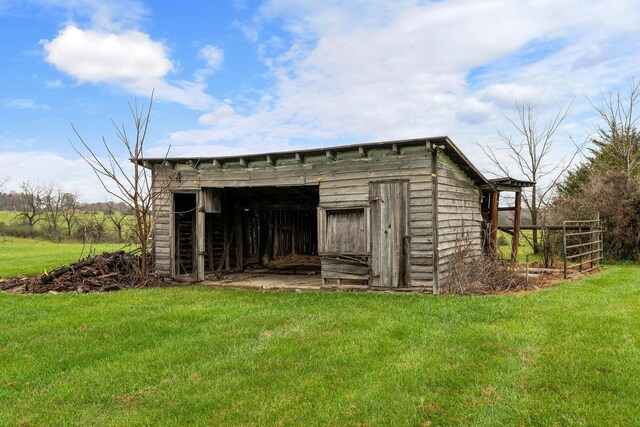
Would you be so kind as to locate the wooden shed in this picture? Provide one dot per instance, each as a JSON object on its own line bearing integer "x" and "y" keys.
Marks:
{"x": 385, "y": 214}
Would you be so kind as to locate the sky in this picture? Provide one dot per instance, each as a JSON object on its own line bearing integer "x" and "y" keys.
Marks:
{"x": 249, "y": 76}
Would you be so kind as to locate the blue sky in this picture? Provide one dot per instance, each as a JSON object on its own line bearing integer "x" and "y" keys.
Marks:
{"x": 252, "y": 76}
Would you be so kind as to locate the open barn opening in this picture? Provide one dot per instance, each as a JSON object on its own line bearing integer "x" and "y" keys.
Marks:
{"x": 273, "y": 229}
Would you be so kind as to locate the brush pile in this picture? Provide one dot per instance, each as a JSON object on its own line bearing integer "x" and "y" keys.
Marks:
{"x": 101, "y": 273}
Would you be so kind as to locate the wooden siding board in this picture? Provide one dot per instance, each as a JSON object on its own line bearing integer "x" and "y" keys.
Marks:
{"x": 459, "y": 213}
{"x": 340, "y": 183}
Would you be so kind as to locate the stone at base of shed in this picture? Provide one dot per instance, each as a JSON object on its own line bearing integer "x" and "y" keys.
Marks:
{"x": 311, "y": 282}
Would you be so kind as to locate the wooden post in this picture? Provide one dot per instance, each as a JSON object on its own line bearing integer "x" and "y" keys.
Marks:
{"x": 516, "y": 227}
{"x": 494, "y": 222}
{"x": 200, "y": 236}
{"x": 564, "y": 246}
{"x": 434, "y": 217}
{"x": 210, "y": 243}
{"x": 239, "y": 241}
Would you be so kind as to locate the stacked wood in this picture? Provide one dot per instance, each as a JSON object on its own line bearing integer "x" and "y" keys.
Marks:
{"x": 101, "y": 273}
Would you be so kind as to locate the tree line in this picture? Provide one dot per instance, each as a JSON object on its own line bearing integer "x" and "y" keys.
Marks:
{"x": 608, "y": 182}
{"x": 47, "y": 210}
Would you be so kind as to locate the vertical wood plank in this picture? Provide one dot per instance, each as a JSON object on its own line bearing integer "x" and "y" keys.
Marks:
{"x": 172, "y": 236}
{"x": 200, "y": 221}
{"x": 494, "y": 221}
{"x": 375, "y": 231}
{"x": 322, "y": 232}
{"x": 406, "y": 234}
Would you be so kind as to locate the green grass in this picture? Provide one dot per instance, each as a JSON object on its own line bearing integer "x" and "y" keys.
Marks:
{"x": 567, "y": 355}
{"x": 524, "y": 247}
{"x": 22, "y": 257}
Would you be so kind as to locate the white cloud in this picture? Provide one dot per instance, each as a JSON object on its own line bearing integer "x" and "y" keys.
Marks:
{"x": 392, "y": 69}
{"x": 129, "y": 59}
{"x": 212, "y": 55}
{"x": 51, "y": 167}
{"x": 7, "y": 142}
{"x": 25, "y": 104}
{"x": 96, "y": 57}
{"x": 503, "y": 95}
{"x": 54, "y": 84}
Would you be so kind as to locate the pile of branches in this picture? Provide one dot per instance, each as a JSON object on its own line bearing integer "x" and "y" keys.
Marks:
{"x": 474, "y": 273}
{"x": 101, "y": 273}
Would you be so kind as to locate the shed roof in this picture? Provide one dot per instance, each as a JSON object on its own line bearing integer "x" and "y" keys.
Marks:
{"x": 442, "y": 142}
{"x": 510, "y": 184}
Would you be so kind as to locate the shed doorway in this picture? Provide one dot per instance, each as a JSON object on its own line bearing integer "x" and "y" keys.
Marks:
{"x": 184, "y": 223}
{"x": 269, "y": 228}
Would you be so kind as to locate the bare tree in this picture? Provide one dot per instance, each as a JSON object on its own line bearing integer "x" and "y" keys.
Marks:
{"x": 52, "y": 211}
{"x": 532, "y": 153}
{"x": 32, "y": 205}
{"x": 3, "y": 181}
{"x": 70, "y": 206}
{"x": 130, "y": 186}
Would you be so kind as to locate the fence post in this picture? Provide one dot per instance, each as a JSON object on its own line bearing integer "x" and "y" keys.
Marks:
{"x": 564, "y": 246}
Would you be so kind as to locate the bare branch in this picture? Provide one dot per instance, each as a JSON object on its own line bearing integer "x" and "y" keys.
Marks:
{"x": 134, "y": 187}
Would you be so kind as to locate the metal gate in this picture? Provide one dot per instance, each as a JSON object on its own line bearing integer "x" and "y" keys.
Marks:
{"x": 582, "y": 244}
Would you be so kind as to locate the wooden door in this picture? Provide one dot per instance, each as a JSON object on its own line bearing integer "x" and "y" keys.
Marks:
{"x": 389, "y": 232}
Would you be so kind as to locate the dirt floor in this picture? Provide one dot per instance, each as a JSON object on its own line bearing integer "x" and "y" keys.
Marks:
{"x": 260, "y": 280}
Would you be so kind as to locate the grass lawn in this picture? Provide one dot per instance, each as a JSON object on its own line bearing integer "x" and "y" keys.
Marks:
{"x": 524, "y": 247}
{"x": 567, "y": 355}
{"x": 22, "y": 257}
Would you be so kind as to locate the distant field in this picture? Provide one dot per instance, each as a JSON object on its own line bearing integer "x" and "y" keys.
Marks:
{"x": 23, "y": 257}
{"x": 10, "y": 217}
{"x": 7, "y": 216}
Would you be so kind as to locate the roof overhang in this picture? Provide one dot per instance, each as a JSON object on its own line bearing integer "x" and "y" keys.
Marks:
{"x": 432, "y": 143}
{"x": 510, "y": 184}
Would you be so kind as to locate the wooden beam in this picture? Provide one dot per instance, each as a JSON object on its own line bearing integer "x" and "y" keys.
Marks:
{"x": 330, "y": 155}
{"x": 242, "y": 162}
{"x": 217, "y": 163}
{"x": 362, "y": 151}
{"x": 270, "y": 160}
{"x": 394, "y": 149}
{"x": 299, "y": 158}
{"x": 200, "y": 249}
{"x": 494, "y": 222}
{"x": 515, "y": 241}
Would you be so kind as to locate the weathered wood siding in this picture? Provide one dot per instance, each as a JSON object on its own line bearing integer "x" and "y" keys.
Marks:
{"x": 162, "y": 223}
{"x": 459, "y": 213}
{"x": 342, "y": 182}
